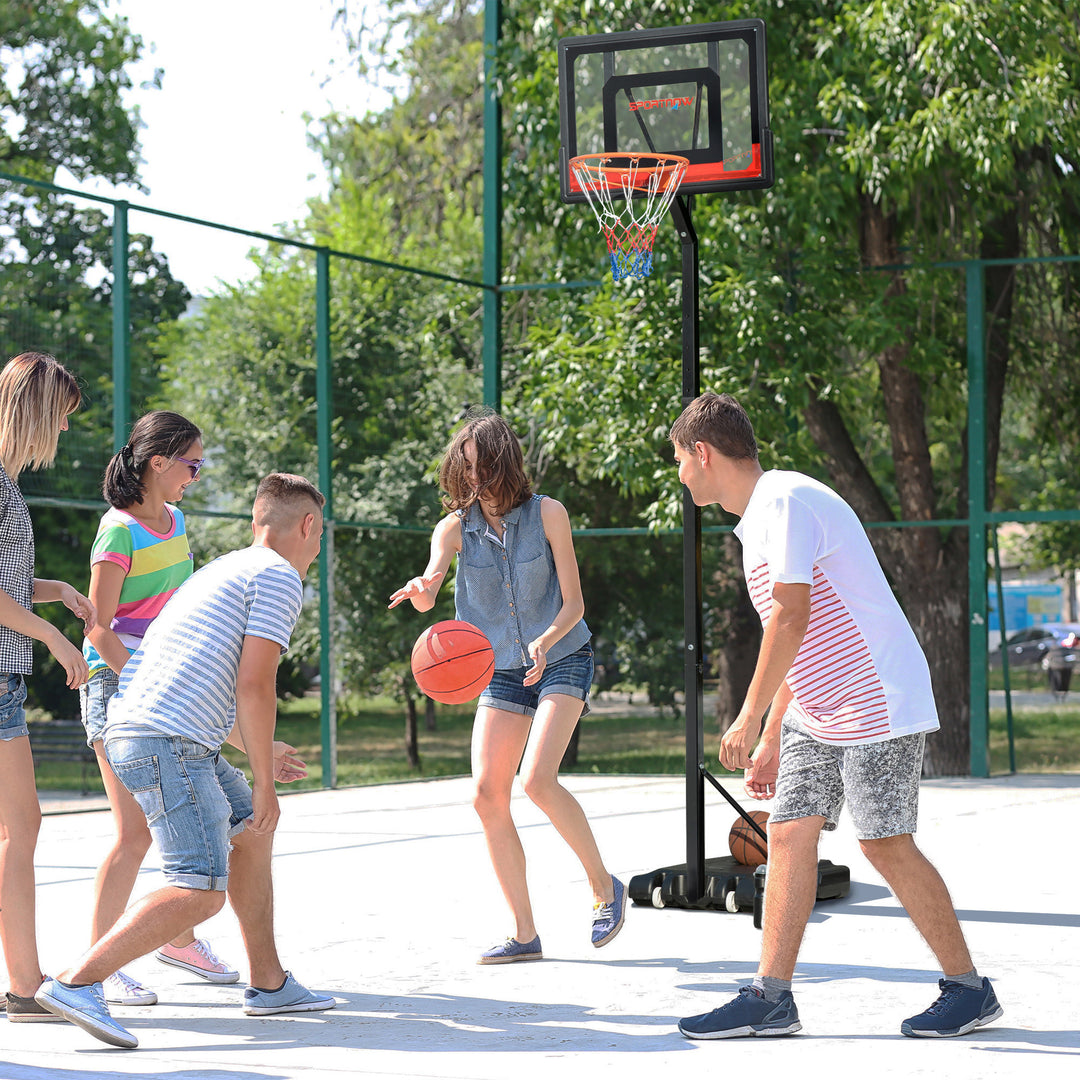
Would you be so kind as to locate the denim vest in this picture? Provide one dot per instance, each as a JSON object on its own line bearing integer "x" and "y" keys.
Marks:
{"x": 511, "y": 590}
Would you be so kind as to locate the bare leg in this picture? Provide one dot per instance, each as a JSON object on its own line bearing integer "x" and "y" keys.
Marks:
{"x": 251, "y": 894}
{"x": 790, "y": 891}
{"x": 919, "y": 887}
{"x": 118, "y": 872}
{"x": 20, "y": 820}
{"x": 551, "y": 730}
{"x": 498, "y": 740}
{"x": 145, "y": 926}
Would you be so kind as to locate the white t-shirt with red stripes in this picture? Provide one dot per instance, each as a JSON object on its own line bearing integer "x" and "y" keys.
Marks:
{"x": 860, "y": 675}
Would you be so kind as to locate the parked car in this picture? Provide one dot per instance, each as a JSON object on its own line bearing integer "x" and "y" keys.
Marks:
{"x": 1033, "y": 643}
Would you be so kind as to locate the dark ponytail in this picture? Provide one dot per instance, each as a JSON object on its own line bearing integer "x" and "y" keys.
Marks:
{"x": 156, "y": 433}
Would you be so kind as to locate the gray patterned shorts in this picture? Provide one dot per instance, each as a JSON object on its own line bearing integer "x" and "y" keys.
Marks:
{"x": 880, "y": 782}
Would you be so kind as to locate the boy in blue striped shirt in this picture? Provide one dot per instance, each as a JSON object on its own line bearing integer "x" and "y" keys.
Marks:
{"x": 206, "y": 674}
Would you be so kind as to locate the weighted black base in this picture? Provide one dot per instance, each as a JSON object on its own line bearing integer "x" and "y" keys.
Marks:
{"x": 728, "y": 886}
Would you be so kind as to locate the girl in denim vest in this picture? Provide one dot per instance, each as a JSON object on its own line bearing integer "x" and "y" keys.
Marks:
{"x": 517, "y": 580}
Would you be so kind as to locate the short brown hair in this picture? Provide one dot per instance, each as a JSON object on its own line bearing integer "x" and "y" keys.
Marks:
{"x": 500, "y": 465}
{"x": 720, "y": 421}
{"x": 282, "y": 499}
{"x": 36, "y": 393}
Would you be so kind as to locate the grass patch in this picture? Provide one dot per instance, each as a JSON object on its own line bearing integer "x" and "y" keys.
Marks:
{"x": 371, "y": 744}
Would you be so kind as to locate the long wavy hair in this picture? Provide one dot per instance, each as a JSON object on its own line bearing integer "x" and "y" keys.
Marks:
{"x": 500, "y": 466}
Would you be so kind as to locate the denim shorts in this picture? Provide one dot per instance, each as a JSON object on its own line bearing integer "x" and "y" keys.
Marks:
{"x": 572, "y": 675}
{"x": 93, "y": 700}
{"x": 12, "y": 715}
{"x": 194, "y": 802}
{"x": 879, "y": 781}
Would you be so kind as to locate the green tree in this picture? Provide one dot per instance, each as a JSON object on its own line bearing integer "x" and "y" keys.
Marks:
{"x": 63, "y": 74}
{"x": 906, "y": 131}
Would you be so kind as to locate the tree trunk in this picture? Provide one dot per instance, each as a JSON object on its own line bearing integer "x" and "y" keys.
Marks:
{"x": 927, "y": 567}
{"x": 412, "y": 751}
{"x": 429, "y": 714}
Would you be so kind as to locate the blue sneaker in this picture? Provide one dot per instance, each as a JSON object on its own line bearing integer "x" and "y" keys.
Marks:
{"x": 512, "y": 950}
{"x": 291, "y": 997}
{"x": 958, "y": 1010}
{"x": 748, "y": 1014}
{"x": 85, "y": 1006}
{"x": 607, "y": 919}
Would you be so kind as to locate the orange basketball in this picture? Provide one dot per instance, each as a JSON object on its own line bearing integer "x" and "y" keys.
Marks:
{"x": 452, "y": 662}
{"x": 747, "y": 847}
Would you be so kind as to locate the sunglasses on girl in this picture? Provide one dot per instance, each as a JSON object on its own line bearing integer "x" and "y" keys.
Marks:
{"x": 194, "y": 466}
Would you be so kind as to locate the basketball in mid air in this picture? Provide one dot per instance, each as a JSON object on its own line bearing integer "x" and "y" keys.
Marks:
{"x": 452, "y": 662}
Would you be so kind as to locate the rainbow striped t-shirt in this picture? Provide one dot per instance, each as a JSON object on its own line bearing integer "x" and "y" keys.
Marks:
{"x": 155, "y": 566}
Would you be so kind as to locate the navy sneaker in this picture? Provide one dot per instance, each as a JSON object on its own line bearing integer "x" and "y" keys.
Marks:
{"x": 747, "y": 1014}
{"x": 607, "y": 919}
{"x": 85, "y": 1006}
{"x": 291, "y": 996}
{"x": 512, "y": 950}
{"x": 958, "y": 1010}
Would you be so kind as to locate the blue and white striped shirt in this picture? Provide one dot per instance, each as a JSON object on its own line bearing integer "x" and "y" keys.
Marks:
{"x": 182, "y": 679}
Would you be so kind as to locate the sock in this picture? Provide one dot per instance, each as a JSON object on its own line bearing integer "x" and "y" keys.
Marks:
{"x": 971, "y": 979}
{"x": 771, "y": 989}
{"x": 74, "y": 986}
{"x": 264, "y": 990}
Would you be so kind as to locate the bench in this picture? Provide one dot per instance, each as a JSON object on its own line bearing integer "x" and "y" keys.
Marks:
{"x": 63, "y": 740}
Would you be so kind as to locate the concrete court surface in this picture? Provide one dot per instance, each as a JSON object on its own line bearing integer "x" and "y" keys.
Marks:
{"x": 385, "y": 898}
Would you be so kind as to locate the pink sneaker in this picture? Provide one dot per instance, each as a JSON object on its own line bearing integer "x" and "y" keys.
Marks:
{"x": 199, "y": 959}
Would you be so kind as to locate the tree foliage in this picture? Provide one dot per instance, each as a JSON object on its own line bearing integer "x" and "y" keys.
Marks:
{"x": 906, "y": 131}
{"x": 63, "y": 73}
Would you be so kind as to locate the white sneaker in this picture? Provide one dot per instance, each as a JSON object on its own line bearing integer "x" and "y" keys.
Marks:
{"x": 122, "y": 989}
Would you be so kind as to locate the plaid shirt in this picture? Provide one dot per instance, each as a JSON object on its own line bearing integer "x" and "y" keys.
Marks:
{"x": 16, "y": 573}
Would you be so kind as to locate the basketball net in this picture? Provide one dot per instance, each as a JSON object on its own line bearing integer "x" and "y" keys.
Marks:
{"x": 648, "y": 183}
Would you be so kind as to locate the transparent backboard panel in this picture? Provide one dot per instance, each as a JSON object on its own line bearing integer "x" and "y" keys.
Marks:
{"x": 661, "y": 92}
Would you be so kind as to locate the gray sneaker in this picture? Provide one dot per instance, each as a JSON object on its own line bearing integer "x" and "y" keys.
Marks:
{"x": 22, "y": 1010}
{"x": 85, "y": 1006}
{"x": 290, "y": 997}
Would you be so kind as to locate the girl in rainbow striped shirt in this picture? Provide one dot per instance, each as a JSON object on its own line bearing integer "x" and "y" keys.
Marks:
{"x": 139, "y": 559}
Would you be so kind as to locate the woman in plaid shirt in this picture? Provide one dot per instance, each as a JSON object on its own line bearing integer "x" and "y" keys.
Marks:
{"x": 37, "y": 395}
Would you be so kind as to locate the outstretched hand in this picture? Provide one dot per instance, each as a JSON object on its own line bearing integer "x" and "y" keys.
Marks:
{"x": 286, "y": 767}
{"x": 413, "y": 588}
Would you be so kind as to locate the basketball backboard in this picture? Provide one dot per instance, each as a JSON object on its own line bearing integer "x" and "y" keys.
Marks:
{"x": 697, "y": 91}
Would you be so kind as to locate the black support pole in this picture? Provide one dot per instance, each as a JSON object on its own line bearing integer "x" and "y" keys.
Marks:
{"x": 693, "y": 661}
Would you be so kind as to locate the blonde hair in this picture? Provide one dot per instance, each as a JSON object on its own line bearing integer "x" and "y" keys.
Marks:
{"x": 36, "y": 393}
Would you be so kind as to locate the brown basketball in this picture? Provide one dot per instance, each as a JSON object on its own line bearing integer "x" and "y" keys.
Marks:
{"x": 452, "y": 662}
{"x": 747, "y": 847}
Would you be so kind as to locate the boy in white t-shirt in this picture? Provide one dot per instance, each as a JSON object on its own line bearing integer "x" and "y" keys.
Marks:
{"x": 206, "y": 673}
{"x": 849, "y": 702}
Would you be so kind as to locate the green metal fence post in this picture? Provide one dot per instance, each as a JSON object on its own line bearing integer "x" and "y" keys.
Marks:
{"x": 977, "y": 578}
{"x": 121, "y": 327}
{"x": 492, "y": 351}
{"x": 323, "y": 421}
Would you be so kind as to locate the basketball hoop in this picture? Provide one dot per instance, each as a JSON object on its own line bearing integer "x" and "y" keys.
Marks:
{"x": 648, "y": 183}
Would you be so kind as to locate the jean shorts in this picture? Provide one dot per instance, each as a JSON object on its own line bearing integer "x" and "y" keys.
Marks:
{"x": 572, "y": 675}
{"x": 94, "y": 699}
{"x": 879, "y": 781}
{"x": 194, "y": 802}
{"x": 12, "y": 714}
